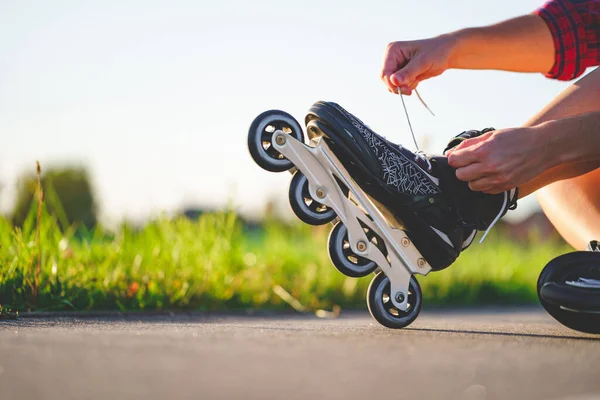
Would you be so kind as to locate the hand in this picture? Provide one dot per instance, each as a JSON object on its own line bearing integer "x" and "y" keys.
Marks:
{"x": 500, "y": 160}
{"x": 406, "y": 64}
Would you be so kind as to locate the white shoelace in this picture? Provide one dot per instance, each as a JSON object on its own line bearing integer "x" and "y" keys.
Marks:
{"x": 408, "y": 118}
{"x": 419, "y": 153}
{"x": 497, "y": 217}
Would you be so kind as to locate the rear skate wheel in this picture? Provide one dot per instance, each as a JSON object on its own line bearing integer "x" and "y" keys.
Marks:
{"x": 304, "y": 206}
{"x": 342, "y": 256}
{"x": 260, "y": 135}
{"x": 560, "y": 292}
{"x": 382, "y": 308}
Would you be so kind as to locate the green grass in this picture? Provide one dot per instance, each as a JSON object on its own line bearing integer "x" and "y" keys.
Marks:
{"x": 214, "y": 264}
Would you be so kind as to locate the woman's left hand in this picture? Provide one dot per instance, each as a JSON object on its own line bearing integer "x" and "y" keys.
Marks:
{"x": 500, "y": 160}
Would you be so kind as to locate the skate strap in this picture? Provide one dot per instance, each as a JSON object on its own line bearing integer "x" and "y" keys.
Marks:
{"x": 461, "y": 137}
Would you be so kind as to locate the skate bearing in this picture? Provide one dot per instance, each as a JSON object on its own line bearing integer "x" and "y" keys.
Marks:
{"x": 400, "y": 297}
{"x": 320, "y": 193}
{"x": 361, "y": 246}
{"x": 280, "y": 140}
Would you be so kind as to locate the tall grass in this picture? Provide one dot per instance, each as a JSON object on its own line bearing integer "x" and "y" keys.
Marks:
{"x": 214, "y": 263}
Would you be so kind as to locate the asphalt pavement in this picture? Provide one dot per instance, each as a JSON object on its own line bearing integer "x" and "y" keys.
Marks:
{"x": 485, "y": 354}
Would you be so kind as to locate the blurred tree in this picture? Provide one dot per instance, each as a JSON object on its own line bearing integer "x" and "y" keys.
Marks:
{"x": 67, "y": 193}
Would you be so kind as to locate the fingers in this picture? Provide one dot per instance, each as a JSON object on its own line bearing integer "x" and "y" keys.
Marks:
{"x": 400, "y": 68}
{"x": 472, "y": 141}
{"x": 394, "y": 59}
{"x": 468, "y": 151}
{"x": 487, "y": 185}
{"x": 462, "y": 158}
{"x": 481, "y": 185}
{"x": 408, "y": 74}
{"x": 470, "y": 172}
{"x": 407, "y": 89}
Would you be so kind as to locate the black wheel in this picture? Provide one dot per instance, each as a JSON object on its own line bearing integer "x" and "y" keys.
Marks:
{"x": 575, "y": 307}
{"x": 381, "y": 306}
{"x": 304, "y": 206}
{"x": 259, "y": 139}
{"x": 342, "y": 256}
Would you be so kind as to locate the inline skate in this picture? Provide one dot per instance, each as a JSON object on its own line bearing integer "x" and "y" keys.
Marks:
{"x": 569, "y": 289}
{"x": 397, "y": 213}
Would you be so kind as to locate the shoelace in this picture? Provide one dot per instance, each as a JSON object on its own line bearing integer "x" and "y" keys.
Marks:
{"x": 419, "y": 153}
{"x": 512, "y": 194}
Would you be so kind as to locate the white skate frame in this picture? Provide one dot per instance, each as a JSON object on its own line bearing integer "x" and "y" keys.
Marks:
{"x": 320, "y": 166}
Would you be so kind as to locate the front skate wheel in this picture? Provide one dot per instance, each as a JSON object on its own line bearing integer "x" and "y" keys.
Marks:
{"x": 260, "y": 135}
{"x": 569, "y": 289}
{"x": 304, "y": 206}
{"x": 342, "y": 256}
{"x": 382, "y": 308}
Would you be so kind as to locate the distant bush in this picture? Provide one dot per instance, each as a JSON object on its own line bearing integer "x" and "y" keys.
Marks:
{"x": 68, "y": 197}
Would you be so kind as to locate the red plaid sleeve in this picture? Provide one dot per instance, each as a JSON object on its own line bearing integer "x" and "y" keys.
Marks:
{"x": 575, "y": 28}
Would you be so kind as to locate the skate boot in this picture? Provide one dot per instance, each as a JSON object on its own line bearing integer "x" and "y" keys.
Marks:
{"x": 398, "y": 213}
{"x": 439, "y": 213}
{"x": 569, "y": 289}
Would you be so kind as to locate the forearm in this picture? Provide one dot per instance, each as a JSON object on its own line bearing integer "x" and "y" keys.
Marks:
{"x": 570, "y": 148}
{"x": 574, "y": 139}
{"x": 522, "y": 44}
{"x": 579, "y": 99}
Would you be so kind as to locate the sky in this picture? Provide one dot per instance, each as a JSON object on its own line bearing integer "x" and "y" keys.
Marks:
{"x": 155, "y": 97}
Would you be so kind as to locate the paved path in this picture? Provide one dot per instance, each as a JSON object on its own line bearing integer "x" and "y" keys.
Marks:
{"x": 517, "y": 354}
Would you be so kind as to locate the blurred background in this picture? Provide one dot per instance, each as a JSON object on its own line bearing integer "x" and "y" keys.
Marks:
{"x": 154, "y": 98}
{"x": 139, "y": 110}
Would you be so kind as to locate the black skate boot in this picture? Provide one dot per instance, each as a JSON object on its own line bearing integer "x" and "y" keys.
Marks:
{"x": 439, "y": 213}
{"x": 569, "y": 289}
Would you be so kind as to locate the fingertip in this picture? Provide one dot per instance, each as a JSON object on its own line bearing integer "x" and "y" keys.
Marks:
{"x": 452, "y": 159}
{"x": 386, "y": 81}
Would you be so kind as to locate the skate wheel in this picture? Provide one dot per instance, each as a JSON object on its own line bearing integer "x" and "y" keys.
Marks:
{"x": 342, "y": 256}
{"x": 574, "y": 306}
{"x": 304, "y": 206}
{"x": 382, "y": 308}
{"x": 259, "y": 139}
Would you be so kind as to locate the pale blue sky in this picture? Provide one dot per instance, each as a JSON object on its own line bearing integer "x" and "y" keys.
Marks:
{"x": 156, "y": 97}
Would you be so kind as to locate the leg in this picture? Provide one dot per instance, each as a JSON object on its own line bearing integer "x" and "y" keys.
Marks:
{"x": 573, "y": 207}
{"x": 570, "y": 194}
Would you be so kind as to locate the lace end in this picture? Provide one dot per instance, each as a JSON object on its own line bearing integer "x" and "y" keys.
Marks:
{"x": 497, "y": 217}
{"x": 424, "y": 104}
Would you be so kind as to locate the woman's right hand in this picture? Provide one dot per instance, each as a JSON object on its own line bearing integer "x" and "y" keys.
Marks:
{"x": 408, "y": 63}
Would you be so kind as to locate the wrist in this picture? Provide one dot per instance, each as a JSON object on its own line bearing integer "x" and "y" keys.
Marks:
{"x": 463, "y": 45}
{"x": 455, "y": 43}
{"x": 551, "y": 144}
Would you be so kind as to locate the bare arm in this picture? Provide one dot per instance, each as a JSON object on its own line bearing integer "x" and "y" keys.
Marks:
{"x": 522, "y": 44}
{"x": 579, "y": 103}
{"x": 561, "y": 142}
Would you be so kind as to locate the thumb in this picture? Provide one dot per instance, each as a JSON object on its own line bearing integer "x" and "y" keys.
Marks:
{"x": 408, "y": 74}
